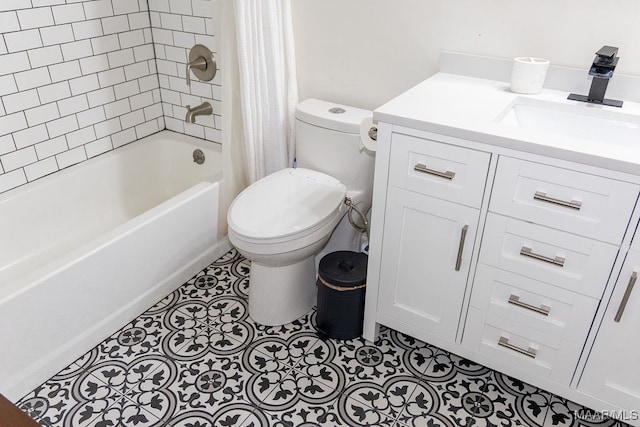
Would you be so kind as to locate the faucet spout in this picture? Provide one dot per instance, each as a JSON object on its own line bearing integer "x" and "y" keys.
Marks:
{"x": 602, "y": 70}
{"x": 204, "y": 109}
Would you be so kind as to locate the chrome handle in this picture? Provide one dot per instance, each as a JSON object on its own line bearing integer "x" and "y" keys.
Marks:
{"x": 421, "y": 167}
{"x": 574, "y": 204}
{"x": 543, "y": 309}
{"x": 199, "y": 63}
{"x": 463, "y": 237}
{"x": 558, "y": 260}
{"x": 531, "y": 352}
{"x": 627, "y": 295}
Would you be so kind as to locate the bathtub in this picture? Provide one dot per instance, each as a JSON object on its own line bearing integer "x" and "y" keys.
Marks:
{"x": 87, "y": 249}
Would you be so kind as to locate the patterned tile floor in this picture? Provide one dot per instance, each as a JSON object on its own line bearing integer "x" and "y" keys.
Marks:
{"x": 196, "y": 359}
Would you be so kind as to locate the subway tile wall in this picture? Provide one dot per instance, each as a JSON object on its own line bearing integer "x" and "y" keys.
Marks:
{"x": 79, "y": 78}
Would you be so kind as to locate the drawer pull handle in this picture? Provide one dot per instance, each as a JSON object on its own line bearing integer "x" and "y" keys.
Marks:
{"x": 543, "y": 309}
{"x": 421, "y": 167}
{"x": 627, "y": 295}
{"x": 574, "y": 204}
{"x": 463, "y": 237}
{"x": 531, "y": 352}
{"x": 558, "y": 260}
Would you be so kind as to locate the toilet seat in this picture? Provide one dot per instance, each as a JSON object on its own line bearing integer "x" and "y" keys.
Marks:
{"x": 285, "y": 206}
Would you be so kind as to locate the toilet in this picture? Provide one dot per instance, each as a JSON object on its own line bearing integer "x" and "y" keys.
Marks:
{"x": 281, "y": 222}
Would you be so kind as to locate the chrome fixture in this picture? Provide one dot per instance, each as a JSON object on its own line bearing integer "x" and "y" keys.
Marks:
{"x": 202, "y": 63}
{"x": 204, "y": 109}
{"x": 602, "y": 70}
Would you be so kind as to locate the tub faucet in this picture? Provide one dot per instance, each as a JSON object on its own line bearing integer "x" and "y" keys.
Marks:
{"x": 203, "y": 109}
{"x": 602, "y": 70}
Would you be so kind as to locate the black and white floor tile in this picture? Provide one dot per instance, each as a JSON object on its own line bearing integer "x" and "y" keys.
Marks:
{"x": 196, "y": 359}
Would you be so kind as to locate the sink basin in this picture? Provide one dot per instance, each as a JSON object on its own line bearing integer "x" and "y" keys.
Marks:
{"x": 590, "y": 122}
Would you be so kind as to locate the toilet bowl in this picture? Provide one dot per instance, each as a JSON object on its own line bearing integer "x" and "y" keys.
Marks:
{"x": 280, "y": 223}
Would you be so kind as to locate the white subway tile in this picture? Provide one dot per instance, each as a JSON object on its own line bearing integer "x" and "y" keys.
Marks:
{"x": 18, "y": 159}
{"x": 182, "y": 39}
{"x": 194, "y": 130}
{"x": 162, "y": 36}
{"x": 194, "y": 24}
{"x": 208, "y": 41}
{"x": 68, "y": 13}
{"x": 174, "y": 124}
{"x": 65, "y": 71}
{"x": 14, "y": 62}
{"x": 135, "y": 71}
{"x": 87, "y": 29}
{"x": 180, "y": 7}
{"x": 208, "y": 23}
{"x": 139, "y": 20}
{"x": 91, "y": 117}
{"x": 202, "y": 8}
{"x": 6, "y": 144}
{"x": 111, "y": 77}
{"x": 12, "y": 180}
{"x": 54, "y": 92}
{"x": 159, "y": 49}
{"x": 97, "y": 9}
{"x": 30, "y": 136}
{"x": 178, "y": 84}
{"x": 107, "y": 127}
{"x": 84, "y": 84}
{"x": 57, "y": 34}
{"x": 159, "y": 5}
{"x": 73, "y": 105}
{"x": 132, "y": 119}
{"x": 142, "y": 53}
{"x": 15, "y": 4}
{"x": 171, "y": 22}
{"x": 51, "y": 147}
{"x": 115, "y": 24}
{"x": 71, "y": 157}
{"x": 23, "y": 40}
{"x": 217, "y": 92}
{"x": 35, "y": 17}
{"x": 12, "y": 123}
{"x": 117, "y": 108}
{"x": 170, "y": 96}
{"x": 21, "y": 101}
{"x": 131, "y": 39}
{"x": 81, "y": 137}
{"x": 77, "y": 50}
{"x": 177, "y": 54}
{"x": 120, "y": 58}
{"x": 214, "y": 135}
{"x": 39, "y": 3}
{"x": 153, "y": 111}
{"x": 32, "y": 78}
{"x": 147, "y": 129}
{"x": 3, "y": 47}
{"x": 94, "y": 64}
{"x": 101, "y": 97}
{"x": 45, "y": 56}
{"x": 100, "y": 146}
{"x": 155, "y": 19}
{"x": 122, "y": 7}
{"x": 124, "y": 90}
{"x": 41, "y": 168}
{"x": 201, "y": 89}
{"x": 121, "y": 138}
{"x": 7, "y": 85}
{"x": 9, "y": 21}
{"x": 44, "y": 113}
{"x": 105, "y": 44}
{"x": 144, "y": 5}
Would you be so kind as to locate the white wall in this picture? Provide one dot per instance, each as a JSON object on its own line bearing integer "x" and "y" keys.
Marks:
{"x": 365, "y": 52}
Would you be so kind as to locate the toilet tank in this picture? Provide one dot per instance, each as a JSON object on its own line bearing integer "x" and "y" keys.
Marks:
{"x": 328, "y": 140}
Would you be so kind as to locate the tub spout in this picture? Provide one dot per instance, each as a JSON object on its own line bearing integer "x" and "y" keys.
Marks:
{"x": 204, "y": 109}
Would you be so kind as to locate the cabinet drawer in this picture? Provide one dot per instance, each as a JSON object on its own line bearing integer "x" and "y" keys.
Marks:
{"x": 575, "y": 202}
{"x": 513, "y": 344}
{"x": 558, "y": 313}
{"x": 437, "y": 169}
{"x": 547, "y": 255}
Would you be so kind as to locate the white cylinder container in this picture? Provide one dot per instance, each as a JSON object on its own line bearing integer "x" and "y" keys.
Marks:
{"x": 528, "y": 74}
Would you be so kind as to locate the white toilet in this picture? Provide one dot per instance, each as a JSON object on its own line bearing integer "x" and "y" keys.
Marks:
{"x": 281, "y": 222}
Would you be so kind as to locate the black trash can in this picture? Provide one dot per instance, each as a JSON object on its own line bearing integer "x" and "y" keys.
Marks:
{"x": 342, "y": 281}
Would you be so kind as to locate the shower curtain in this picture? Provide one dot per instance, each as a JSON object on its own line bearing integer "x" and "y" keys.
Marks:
{"x": 268, "y": 85}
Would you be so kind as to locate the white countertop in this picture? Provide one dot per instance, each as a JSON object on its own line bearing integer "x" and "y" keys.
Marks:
{"x": 470, "y": 108}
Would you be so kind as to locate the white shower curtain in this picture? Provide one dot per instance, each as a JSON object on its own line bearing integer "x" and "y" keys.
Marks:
{"x": 268, "y": 84}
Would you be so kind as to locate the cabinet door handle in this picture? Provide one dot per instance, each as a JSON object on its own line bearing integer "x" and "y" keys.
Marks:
{"x": 574, "y": 204}
{"x": 558, "y": 260}
{"x": 543, "y": 309}
{"x": 531, "y": 352}
{"x": 627, "y": 295}
{"x": 463, "y": 237}
{"x": 421, "y": 167}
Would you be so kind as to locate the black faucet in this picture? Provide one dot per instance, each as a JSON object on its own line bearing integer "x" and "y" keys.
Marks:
{"x": 602, "y": 70}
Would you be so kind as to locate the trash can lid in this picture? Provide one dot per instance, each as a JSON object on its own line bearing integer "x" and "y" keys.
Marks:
{"x": 344, "y": 268}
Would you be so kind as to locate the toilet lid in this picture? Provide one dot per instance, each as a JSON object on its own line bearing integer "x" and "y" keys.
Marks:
{"x": 286, "y": 203}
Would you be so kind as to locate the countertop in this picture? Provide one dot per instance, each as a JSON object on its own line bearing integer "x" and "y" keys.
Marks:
{"x": 470, "y": 108}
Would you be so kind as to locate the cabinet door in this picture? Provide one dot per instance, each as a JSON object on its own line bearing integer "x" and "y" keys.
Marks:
{"x": 613, "y": 368}
{"x": 427, "y": 249}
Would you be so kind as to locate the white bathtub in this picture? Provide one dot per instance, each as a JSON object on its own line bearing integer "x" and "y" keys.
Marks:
{"x": 87, "y": 249}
